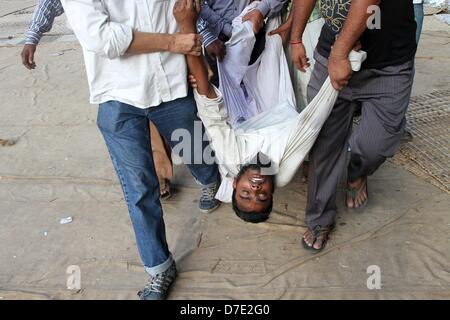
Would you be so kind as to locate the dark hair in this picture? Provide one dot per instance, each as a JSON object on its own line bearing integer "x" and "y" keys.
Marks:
{"x": 252, "y": 217}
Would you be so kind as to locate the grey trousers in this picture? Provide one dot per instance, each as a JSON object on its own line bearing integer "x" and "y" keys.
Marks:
{"x": 383, "y": 95}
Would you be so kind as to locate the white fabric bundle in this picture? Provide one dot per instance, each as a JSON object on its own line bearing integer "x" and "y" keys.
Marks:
{"x": 250, "y": 90}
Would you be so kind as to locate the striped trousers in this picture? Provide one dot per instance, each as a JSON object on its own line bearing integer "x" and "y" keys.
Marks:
{"x": 383, "y": 95}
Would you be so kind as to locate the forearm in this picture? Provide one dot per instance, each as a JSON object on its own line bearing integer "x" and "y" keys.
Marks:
{"x": 354, "y": 27}
{"x": 144, "y": 42}
{"x": 198, "y": 69}
{"x": 302, "y": 10}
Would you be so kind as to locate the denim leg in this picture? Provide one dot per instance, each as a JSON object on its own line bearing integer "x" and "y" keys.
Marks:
{"x": 126, "y": 133}
{"x": 178, "y": 123}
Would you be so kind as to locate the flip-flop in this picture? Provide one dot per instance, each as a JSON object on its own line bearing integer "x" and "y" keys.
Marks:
{"x": 353, "y": 194}
{"x": 319, "y": 231}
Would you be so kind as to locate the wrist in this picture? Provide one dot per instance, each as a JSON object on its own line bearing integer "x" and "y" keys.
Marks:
{"x": 338, "y": 55}
{"x": 338, "y": 51}
{"x": 170, "y": 43}
{"x": 188, "y": 29}
{"x": 295, "y": 42}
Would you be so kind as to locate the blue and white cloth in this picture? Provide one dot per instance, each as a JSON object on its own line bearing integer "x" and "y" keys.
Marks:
{"x": 45, "y": 13}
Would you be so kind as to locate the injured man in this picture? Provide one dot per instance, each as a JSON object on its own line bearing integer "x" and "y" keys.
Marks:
{"x": 262, "y": 147}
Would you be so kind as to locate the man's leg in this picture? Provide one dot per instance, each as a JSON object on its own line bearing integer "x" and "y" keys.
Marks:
{"x": 385, "y": 98}
{"x": 328, "y": 155}
{"x": 162, "y": 161}
{"x": 178, "y": 123}
{"x": 126, "y": 133}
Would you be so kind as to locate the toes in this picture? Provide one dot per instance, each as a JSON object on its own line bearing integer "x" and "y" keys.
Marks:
{"x": 317, "y": 245}
{"x": 307, "y": 239}
{"x": 350, "y": 202}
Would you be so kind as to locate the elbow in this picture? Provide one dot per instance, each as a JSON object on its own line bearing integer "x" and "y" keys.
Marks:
{"x": 110, "y": 40}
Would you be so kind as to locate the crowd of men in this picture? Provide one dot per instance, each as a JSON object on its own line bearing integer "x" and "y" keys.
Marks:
{"x": 139, "y": 56}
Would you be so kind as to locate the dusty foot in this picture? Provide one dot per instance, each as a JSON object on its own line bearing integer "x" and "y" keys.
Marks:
{"x": 357, "y": 193}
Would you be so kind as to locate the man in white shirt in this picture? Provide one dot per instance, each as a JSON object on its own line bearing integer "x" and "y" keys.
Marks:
{"x": 137, "y": 73}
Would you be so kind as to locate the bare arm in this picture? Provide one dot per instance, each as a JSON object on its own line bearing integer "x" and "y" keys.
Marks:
{"x": 301, "y": 12}
{"x": 144, "y": 42}
{"x": 339, "y": 67}
{"x": 354, "y": 27}
{"x": 186, "y": 13}
{"x": 97, "y": 33}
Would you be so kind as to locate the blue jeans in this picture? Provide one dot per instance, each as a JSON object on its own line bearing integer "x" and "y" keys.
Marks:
{"x": 418, "y": 13}
{"x": 127, "y": 135}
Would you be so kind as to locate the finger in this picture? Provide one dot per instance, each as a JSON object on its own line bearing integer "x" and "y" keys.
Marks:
{"x": 298, "y": 65}
{"x": 198, "y": 38}
{"x": 335, "y": 85}
{"x": 177, "y": 5}
{"x": 25, "y": 60}
{"x": 193, "y": 81}
{"x": 196, "y": 52}
{"x": 274, "y": 32}
{"x": 198, "y": 6}
{"x": 198, "y": 48}
{"x": 31, "y": 57}
{"x": 305, "y": 63}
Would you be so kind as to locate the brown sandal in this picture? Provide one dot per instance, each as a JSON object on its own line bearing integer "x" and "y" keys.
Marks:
{"x": 320, "y": 235}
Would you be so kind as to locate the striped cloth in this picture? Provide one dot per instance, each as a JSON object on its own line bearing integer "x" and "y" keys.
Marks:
{"x": 203, "y": 29}
{"x": 45, "y": 13}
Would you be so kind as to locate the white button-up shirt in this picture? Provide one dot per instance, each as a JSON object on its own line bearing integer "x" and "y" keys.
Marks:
{"x": 105, "y": 31}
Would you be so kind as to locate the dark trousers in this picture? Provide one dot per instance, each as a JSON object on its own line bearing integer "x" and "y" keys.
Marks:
{"x": 383, "y": 95}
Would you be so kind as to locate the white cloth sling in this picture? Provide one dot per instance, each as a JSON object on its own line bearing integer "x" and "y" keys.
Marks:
{"x": 273, "y": 127}
{"x": 250, "y": 90}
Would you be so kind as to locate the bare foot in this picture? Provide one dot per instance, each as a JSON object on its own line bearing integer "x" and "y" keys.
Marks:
{"x": 316, "y": 239}
{"x": 357, "y": 194}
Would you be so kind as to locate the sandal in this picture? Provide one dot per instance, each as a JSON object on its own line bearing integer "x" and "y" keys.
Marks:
{"x": 321, "y": 235}
{"x": 354, "y": 193}
{"x": 164, "y": 189}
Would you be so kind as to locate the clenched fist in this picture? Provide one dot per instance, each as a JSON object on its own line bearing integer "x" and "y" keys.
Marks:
{"x": 186, "y": 44}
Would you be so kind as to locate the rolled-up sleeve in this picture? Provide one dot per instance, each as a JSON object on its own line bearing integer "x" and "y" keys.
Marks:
{"x": 94, "y": 30}
{"x": 207, "y": 36}
{"x": 271, "y": 7}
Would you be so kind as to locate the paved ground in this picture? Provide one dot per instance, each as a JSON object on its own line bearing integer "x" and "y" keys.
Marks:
{"x": 59, "y": 167}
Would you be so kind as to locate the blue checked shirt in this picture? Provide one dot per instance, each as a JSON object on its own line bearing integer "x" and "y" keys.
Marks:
{"x": 45, "y": 13}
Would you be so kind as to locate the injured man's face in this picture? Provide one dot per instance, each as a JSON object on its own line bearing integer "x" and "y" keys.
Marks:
{"x": 253, "y": 194}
